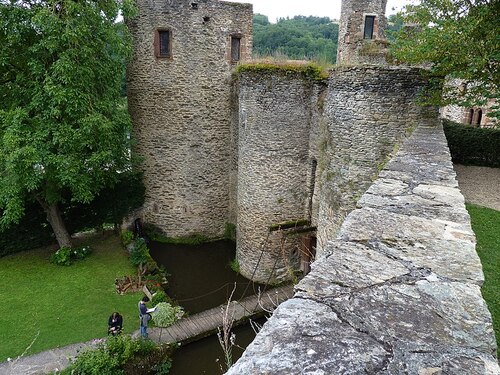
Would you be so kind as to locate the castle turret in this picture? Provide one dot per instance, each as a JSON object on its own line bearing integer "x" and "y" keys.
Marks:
{"x": 361, "y": 33}
{"x": 179, "y": 98}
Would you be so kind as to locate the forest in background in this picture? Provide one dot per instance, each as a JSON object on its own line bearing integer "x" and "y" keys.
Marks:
{"x": 301, "y": 37}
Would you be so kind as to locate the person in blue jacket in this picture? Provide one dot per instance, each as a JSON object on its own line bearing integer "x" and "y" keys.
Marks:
{"x": 144, "y": 316}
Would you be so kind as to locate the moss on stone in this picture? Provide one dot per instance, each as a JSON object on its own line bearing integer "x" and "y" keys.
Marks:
{"x": 195, "y": 239}
{"x": 310, "y": 71}
{"x": 288, "y": 224}
{"x": 230, "y": 232}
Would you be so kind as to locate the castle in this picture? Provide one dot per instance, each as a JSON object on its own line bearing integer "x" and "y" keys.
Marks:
{"x": 348, "y": 166}
{"x": 278, "y": 153}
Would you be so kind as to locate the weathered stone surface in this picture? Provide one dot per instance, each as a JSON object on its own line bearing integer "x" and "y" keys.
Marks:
{"x": 398, "y": 292}
{"x": 324, "y": 338}
{"x": 353, "y": 48}
{"x": 349, "y": 267}
{"x": 181, "y": 108}
{"x": 369, "y": 111}
{"x": 275, "y": 169}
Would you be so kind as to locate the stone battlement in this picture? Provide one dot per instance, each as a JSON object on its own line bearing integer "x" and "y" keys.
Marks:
{"x": 397, "y": 292}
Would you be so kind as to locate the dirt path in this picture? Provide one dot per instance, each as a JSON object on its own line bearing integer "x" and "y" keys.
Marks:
{"x": 479, "y": 185}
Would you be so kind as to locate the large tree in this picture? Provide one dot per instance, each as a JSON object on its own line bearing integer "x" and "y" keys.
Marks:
{"x": 64, "y": 128}
{"x": 458, "y": 39}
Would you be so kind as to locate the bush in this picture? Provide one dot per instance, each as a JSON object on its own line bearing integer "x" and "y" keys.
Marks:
{"x": 62, "y": 257}
{"x": 127, "y": 237}
{"x": 165, "y": 314}
{"x": 65, "y": 256}
{"x": 158, "y": 297}
{"x": 122, "y": 355}
{"x": 81, "y": 252}
{"x": 473, "y": 146}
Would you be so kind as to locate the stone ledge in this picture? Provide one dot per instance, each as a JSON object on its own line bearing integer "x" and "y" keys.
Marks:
{"x": 397, "y": 292}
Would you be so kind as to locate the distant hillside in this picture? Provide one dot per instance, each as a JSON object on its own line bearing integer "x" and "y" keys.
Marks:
{"x": 297, "y": 38}
{"x": 303, "y": 38}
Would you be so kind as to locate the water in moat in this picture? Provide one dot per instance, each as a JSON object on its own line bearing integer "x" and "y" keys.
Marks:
{"x": 205, "y": 356}
{"x": 201, "y": 278}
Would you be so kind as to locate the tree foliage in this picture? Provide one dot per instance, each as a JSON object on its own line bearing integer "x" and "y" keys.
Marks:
{"x": 297, "y": 38}
{"x": 460, "y": 40}
{"x": 64, "y": 129}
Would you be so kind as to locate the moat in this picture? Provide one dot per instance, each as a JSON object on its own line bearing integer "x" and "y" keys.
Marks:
{"x": 200, "y": 278}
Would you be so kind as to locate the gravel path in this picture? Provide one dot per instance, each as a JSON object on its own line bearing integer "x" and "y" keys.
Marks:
{"x": 479, "y": 185}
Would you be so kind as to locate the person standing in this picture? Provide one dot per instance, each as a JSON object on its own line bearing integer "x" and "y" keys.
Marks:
{"x": 144, "y": 316}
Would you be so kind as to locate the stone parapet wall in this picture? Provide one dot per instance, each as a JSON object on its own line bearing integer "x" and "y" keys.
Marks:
{"x": 181, "y": 109}
{"x": 274, "y": 169}
{"x": 397, "y": 292}
{"x": 368, "y": 113}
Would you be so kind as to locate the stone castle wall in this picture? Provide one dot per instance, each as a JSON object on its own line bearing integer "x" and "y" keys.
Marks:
{"x": 181, "y": 110}
{"x": 274, "y": 170}
{"x": 369, "y": 112}
{"x": 398, "y": 291}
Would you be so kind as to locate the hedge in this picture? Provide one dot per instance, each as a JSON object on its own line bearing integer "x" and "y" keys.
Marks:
{"x": 109, "y": 207}
{"x": 473, "y": 146}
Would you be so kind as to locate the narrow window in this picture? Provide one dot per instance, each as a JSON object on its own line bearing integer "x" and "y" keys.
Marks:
{"x": 235, "y": 48}
{"x": 163, "y": 43}
{"x": 470, "y": 117}
{"x": 369, "y": 26}
{"x": 479, "y": 117}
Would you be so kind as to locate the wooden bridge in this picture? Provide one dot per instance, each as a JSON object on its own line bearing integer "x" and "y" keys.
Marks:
{"x": 200, "y": 325}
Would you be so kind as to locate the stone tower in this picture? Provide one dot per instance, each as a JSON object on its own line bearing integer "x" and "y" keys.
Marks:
{"x": 361, "y": 33}
{"x": 179, "y": 98}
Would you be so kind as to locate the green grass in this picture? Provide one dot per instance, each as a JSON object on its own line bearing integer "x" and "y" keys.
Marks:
{"x": 486, "y": 226}
{"x": 64, "y": 304}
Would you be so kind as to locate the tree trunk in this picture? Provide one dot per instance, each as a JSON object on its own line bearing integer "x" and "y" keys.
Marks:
{"x": 56, "y": 222}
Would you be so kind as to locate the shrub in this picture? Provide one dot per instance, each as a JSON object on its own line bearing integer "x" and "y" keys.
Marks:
{"x": 165, "y": 315}
{"x": 473, "y": 146}
{"x": 62, "y": 257}
{"x": 121, "y": 355}
{"x": 158, "y": 297}
{"x": 127, "y": 237}
{"x": 81, "y": 252}
{"x": 139, "y": 256}
{"x": 65, "y": 256}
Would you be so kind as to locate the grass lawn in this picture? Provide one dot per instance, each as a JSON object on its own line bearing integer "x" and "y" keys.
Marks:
{"x": 486, "y": 226}
{"x": 64, "y": 305}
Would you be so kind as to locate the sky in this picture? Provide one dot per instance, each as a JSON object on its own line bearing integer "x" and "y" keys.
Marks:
{"x": 274, "y": 9}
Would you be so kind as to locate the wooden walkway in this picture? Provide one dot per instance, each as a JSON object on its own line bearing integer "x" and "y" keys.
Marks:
{"x": 200, "y": 325}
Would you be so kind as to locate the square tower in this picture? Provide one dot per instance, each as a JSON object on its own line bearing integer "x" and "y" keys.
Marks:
{"x": 361, "y": 32}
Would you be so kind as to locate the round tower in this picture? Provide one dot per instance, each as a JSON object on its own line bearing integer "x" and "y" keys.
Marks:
{"x": 361, "y": 32}
{"x": 179, "y": 98}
